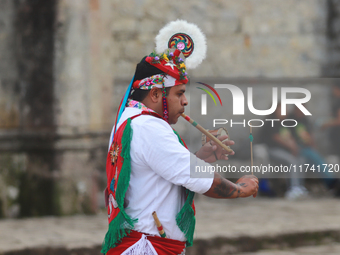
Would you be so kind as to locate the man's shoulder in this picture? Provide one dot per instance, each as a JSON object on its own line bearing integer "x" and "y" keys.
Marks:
{"x": 146, "y": 121}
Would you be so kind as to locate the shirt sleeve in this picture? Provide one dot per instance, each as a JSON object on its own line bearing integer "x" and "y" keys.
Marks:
{"x": 160, "y": 149}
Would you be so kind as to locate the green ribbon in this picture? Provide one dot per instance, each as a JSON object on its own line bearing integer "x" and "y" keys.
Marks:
{"x": 251, "y": 138}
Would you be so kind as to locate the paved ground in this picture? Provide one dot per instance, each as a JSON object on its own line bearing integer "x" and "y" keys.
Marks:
{"x": 330, "y": 249}
{"x": 257, "y": 217}
{"x": 229, "y": 219}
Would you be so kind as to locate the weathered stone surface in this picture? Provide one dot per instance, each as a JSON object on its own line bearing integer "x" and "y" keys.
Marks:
{"x": 331, "y": 68}
{"x": 247, "y": 38}
{"x": 329, "y": 249}
{"x": 56, "y": 104}
{"x": 9, "y": 86}
{"x": 222, "y": 226}
{"x": 27, "y": 97}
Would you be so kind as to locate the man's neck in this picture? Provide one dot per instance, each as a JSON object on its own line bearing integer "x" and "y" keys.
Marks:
{"x": 153, "y": 106}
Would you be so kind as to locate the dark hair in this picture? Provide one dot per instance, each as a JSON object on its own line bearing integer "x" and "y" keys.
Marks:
{"x": 144, "y": 70}
{"x": 139, "y": 94}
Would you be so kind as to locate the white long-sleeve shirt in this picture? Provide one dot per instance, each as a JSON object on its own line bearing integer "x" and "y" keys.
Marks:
{"x": 160, "y": 168}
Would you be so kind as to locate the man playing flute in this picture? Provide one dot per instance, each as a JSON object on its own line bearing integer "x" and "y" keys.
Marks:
{"x": 148, "y": 164}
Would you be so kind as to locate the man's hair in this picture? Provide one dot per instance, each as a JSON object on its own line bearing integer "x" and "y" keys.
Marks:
{"x": 139, "y": 94}
{"x": 145, "y": 69}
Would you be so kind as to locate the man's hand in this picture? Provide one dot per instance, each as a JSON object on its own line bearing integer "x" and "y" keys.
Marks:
{"x": 222, "y": 188}
{"x": 210, "y": 152}
{"x": 249, "y": 185}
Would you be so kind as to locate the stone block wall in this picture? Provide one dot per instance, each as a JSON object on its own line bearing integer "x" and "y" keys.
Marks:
{"x": 56, "y": 89}
{"x": 331, "y": 68}
{"x": 245, "y": 38}
{"x": 26, "y": 106}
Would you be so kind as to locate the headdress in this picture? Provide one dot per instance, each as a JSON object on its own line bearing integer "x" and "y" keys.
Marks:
{"x": 179, "y": 45}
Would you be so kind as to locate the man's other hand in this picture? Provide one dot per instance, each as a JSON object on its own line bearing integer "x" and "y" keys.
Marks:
{"x": 249, "y": 185}
{"x": 210, "y": 151}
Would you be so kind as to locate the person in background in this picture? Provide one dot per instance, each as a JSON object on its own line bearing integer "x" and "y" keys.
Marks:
{"x": 302, "y": 133}
{"x": 283, "y": 149}
{"x": 334, "y": 132}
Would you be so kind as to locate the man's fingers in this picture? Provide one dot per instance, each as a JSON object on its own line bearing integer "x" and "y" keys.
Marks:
{"x": 223, "y": 137}
{"x": 256, "y": 187}
{"x": 225, "y": 157}
{"x": 229, "y": 142}
{"x": 251, "y": 177}
{"x": 256, "y": 180}
{"x": 215, "y": 147}
{"x": 226, "y": 142}
{"x": 255, "y": 194}
{"x": 230, "y": 153}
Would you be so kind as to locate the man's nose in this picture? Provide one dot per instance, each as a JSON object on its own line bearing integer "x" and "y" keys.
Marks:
{"x": 185, "y": 101}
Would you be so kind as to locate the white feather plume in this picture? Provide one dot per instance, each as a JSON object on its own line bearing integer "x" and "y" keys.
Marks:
{"x": 182, "y": 26}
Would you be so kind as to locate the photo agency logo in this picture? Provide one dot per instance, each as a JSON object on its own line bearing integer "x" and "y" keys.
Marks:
{"x": 238, "y": 104}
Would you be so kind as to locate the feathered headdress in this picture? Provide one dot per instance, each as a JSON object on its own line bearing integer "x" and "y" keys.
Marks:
{"x": 179, "y": 45}
{"x": 187, "y": 38}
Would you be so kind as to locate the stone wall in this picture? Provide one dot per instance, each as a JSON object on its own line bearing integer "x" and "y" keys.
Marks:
{"x": 246, "y": 38}
{"x": 9, "y": 85}
{"x": 56, "y": 105}
{"x": 27, "y": 121}
{"x": 84, "y": 108}
{"x": 331, "y": 68}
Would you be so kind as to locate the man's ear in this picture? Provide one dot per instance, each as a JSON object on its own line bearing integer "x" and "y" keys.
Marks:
{"x": 155, "y": 94}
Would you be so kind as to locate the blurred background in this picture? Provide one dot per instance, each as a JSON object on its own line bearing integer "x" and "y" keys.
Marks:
{"x": 65, "y": 65}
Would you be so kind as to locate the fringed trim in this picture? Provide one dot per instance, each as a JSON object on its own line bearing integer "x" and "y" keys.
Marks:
{"x": 117, "y": 230}
{"x": 122, "y": 224}
{"x": 125, "y": 172}
{"x": 185, "y": 219}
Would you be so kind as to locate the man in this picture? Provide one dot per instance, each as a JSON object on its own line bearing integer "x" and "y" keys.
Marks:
{"x": 148, "y": 165}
